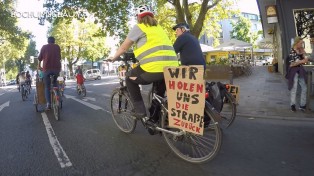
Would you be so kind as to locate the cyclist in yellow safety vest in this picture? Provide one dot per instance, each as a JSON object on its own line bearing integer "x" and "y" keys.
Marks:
{"x": 154, "y": 51}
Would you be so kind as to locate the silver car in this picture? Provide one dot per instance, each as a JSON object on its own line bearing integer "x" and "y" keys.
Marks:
{"x": 92, "y": 74}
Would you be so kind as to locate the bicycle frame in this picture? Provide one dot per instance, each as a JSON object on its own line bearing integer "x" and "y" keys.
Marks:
{"x": 54, "y": 96}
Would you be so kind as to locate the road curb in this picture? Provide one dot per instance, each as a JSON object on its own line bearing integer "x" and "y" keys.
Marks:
{"x": 276, "y": 117}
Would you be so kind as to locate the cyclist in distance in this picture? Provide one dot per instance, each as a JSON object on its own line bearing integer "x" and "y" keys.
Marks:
{"x": 78, "y": 70}
{"x": 188, "y": 46}
{"x": 28, "y": 79}
{"x": 79, "y": 80}
{"x": 154, "y": 51}
{"x": 50, "y": 55}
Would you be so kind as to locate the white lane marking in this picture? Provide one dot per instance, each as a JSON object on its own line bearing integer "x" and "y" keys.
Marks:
{"x": 105, "y": 83}
{"x": 107, "y": 95}
{"x": 6, "y": 104}
{"x": 62, "y": 157}
{"x": 95, "y": 107}
{"x": 1, "y": 94}
{"x": 84, "y": 103}
{"x": 89, "y": 98}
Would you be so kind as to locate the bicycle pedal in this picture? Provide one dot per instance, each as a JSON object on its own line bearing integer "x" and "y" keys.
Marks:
{"x": 152, "y": 130}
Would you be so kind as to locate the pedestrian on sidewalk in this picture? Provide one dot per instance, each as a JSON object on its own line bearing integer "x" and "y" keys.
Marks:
{"x": 296, "y": 74}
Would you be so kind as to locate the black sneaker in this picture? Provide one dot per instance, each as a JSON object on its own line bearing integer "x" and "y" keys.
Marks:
{"x": 293, "y": 108}
{"x": 303, "y": 108}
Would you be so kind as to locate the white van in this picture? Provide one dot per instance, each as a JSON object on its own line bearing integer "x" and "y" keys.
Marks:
{"x": 92, "y": 74}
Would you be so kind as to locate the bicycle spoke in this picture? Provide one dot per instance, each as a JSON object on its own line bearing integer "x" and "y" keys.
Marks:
{"x": 121, "y": 110}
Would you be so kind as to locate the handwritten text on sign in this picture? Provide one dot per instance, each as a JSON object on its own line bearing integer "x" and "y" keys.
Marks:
{"x": 235, "y": 91}
{"x": 186, "y": 97}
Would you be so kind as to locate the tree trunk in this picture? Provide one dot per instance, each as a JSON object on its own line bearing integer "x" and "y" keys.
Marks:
{"x": 70, "y": 68}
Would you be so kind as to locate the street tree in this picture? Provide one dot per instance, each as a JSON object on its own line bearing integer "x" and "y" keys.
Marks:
{"x": 11, "y": 57}
{"x": 202, "y": 16}
{"x": 241, "y": 30}
{"x": 9, "y": 31}
{"x": 79, "y": 41}
{"x": 31, "y": 51}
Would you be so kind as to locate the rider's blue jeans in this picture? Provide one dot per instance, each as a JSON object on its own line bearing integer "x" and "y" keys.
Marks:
{"x": 298, "y": 80}
{"x": 47, "y": 83}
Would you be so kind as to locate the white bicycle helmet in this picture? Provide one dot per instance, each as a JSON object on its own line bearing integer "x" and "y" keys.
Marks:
{"x": 144, "y": 10}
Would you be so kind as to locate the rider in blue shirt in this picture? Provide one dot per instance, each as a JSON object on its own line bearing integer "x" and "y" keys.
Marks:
{"x": 188, "y": 46}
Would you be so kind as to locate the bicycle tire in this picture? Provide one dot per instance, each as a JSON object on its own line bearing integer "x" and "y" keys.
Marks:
{"x": 36, "y": 102}
{"x": 83, "y": 91}
{"x": 121, "y": 108}
{"x": 78, "y": 90}
{"x": 229, "y": 109}
{"x": 55, "y": 106}
{"x": 23, "y": 93}
{"x": 191, "y": 147}
{"x": 26, "y": 94}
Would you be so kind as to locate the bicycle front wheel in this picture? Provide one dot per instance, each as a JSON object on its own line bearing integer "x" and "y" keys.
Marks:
{"x": 23, "y": 93}
{"x": 192, "y": 147}
{"x": 121, "y": 108}
{"x": 56, "y": 106}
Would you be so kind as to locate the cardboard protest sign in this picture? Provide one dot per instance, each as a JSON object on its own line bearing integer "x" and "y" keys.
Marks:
{"x": 235, "y": 91}
{"x": 186, "y": 97}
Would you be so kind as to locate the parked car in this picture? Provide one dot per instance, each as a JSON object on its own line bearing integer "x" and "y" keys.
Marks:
{"x": 11, "y": 82}
{"x": 92, "y": 74}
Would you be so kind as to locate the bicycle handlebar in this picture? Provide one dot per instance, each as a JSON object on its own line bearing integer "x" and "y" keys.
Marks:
{"x": 128, "y": 56}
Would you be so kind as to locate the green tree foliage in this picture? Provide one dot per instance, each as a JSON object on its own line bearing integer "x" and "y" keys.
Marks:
{"x": 13, "y": 40}
{"x": 11, "y": 57}
{"x": 202, "y": 16}
{"x": 8, "y": 29}
{"x": 31, "y": 51}
{"x": 241, "y": 30}
{"x": 111, "y": 14}
{"x": 79, "y": 41}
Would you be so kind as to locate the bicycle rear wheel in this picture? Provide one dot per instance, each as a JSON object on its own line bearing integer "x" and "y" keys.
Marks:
{"x": 23, "y": 93}
{"x": 83, "y": 91}
{"x": 121, "y": 108}
{"x": 56, "y": 106}
{"x": 191, "y": 147}
{"x": 229, "y": 110}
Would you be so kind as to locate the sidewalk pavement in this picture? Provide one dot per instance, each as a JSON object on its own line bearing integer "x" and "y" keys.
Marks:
{"x": 266, "y": 95}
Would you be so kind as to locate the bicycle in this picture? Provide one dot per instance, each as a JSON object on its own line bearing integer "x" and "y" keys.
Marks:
{"x": 80, "y": 87}
{"x": 223, "y": 101}
{"x": 187, "y": 146}
{"x": 56, "y": 100}
{"x": 81, "y": 90}
{"x": 61, "y": 85}
{"x": 24, "y": 91}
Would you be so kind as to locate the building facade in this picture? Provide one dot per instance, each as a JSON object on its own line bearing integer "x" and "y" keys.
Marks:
{"x": 280, "y": 24}
{"x": 226, "y": 26}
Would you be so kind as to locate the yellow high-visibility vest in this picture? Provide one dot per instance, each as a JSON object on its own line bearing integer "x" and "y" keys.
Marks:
{"x": 157, "y": 52}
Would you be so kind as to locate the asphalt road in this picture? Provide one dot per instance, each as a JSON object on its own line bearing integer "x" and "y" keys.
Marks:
{"x": 86, "y": 142}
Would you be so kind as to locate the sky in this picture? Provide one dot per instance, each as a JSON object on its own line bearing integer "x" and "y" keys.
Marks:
{"x": 249, "y": 6}
{"x": 28, "y": 10}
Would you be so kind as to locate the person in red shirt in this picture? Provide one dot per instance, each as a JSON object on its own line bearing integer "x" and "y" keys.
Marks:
{"x": 50, "y": 55}
{"x": 79, "y": 81}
